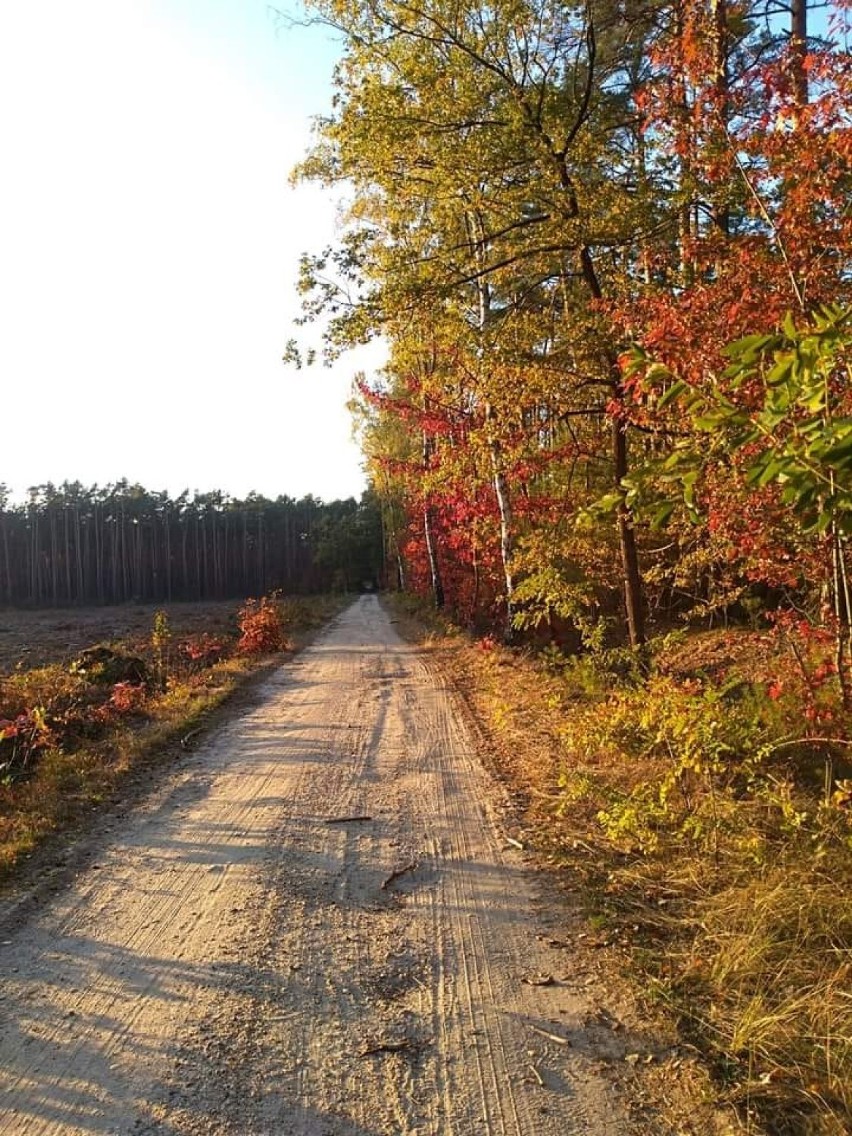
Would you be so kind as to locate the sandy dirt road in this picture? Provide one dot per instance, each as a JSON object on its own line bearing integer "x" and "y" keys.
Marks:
{"x": 230, "y": 962}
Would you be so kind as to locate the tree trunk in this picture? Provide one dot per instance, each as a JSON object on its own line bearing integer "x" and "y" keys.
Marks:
{"x": 261, "y": 567}
{"x": 197, "y": 554}
{"x": 67, "y": 540}
{"x": 100, "y": 583}
{"x": 244, "y": 579}
{"x": 476, "y": 230}
{"x": 437, "y": 584}
{"x": 78, "y": 547}
{"x": 7, "y": 589}
{"x": 627, "y": 541}
{"x": 684, "y": 148}
{"x": 507, "y": 537}
{"x": 34, "y": 555}
{"x": 429, "y": 533}
{"x": 125, "y": 559}
{"x": 167, "y": 552}
{"x": 631, "y": 575}
{"x": 799, "y": 49}
{"x": 54, "y": 557}
{"x": 721, "y": 213}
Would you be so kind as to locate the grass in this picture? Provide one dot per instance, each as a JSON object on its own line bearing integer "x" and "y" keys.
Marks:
{"x": 707, "y": 834}
{"x": 89, "y": 748}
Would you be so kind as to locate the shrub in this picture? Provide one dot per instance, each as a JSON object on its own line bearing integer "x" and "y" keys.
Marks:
{"x": 202, "y": 650}
{"x": 261, "y": 627}
{"x": 21, "y": 739}
{"x": 126, "y": 697}
{"x": 724, "y": 808}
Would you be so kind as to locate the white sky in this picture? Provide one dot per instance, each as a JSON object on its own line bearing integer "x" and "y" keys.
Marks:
{"x": 149, "y": 246}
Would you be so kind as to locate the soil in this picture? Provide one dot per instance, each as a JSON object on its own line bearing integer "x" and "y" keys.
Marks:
{"x": 317, "y": 926}
{"x": 36, "y": 638}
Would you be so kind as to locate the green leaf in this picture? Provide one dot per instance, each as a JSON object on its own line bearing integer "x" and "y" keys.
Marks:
{"x": 766, "y": 471}
{"x": 673, "y": 392}
{"x": 709, "y": 423}
{"x": 781, "y": 372}
{"x": 749, "y": 344}
{"x": 659, "y": 373}
{"x": 662, "y": 513}
{"x": 813, "y": 399}
{"x": 676, "y": 459}
{"x": 798, "y": 497}
{"x": 839, "y": 456}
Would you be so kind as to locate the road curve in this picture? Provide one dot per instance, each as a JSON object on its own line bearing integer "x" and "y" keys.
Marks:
{"x": 242, "y": 959}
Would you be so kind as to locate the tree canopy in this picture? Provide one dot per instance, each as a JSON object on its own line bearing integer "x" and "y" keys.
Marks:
{"x": 560, "y": 218}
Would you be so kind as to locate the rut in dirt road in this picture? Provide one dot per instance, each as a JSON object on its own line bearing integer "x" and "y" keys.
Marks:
{"x": 315, "y": 927}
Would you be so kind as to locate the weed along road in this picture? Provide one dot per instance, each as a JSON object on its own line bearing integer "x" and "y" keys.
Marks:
{"x": 315, "y": 926}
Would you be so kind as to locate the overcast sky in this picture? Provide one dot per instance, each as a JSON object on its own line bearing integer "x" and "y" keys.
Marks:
{"x": 149, "y": 246}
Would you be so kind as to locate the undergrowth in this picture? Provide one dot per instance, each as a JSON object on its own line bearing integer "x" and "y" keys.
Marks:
{"x": 727, "y": 791}
{"x": 703, "y": 795}
{"x": 71, "y": 732}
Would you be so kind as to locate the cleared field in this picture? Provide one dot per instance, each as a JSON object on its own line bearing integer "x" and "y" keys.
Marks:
{"x": 70, "y": 736}
{"x": 35, "y": 638}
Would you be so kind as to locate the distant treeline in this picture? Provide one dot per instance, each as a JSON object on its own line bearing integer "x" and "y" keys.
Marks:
{"x": 74, "y": 544}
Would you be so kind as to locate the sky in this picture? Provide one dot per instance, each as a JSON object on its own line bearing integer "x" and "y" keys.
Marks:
{"x": 149, "y": 246}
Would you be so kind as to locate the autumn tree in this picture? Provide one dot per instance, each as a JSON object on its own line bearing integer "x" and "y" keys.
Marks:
{"x": 534, "y": 190}
{"x": 493, "y": 153}
{"x": 780, "y": 157}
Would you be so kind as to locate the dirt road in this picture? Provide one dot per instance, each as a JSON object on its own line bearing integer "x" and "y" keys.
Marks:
{"x": 238, "y": 958}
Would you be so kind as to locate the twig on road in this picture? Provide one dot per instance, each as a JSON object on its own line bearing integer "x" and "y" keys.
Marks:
{"x": 397, "y": 872}
{"x": 347, "y": 819}
{"x": 387, "y": 1047}
{"x": 537, "y": 1075}
{"x": 550, "y": 1036}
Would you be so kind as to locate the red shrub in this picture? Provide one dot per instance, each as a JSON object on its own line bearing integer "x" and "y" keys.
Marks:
{"x": 126, "y": 697}
{"x": 261, "y": 627}
{"x": 203, "y": 650}
{"x": 21, "y": 739}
